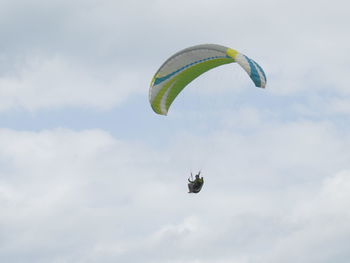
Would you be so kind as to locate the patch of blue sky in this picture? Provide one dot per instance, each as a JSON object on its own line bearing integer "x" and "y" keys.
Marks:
{"x": 191, "y": 112}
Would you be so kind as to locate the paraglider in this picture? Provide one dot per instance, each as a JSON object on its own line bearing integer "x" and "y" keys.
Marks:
{"x": 195, "y": 185}
{"x": 186, "y": 65}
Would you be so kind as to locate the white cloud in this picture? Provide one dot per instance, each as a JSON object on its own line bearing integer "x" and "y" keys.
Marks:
{"x": 339, "y": 105}
{"x": 320, "y": 224}
{"x": 82, "y": 38}
{"x": 85, "y": 196}
{"x": 276, "y": 180}
{"x": 57, "y": 82}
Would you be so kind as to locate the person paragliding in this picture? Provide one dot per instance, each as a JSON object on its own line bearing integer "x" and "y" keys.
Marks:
{"x": 186, "y": 65}
{"x": 195, "y": 185}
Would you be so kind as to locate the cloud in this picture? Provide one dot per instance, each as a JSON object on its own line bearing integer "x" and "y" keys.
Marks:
{"x": 275, "y": 162}
{"x": 101, "y": 47}
{"x": 339, "y": 105}
{"x": 49, "y": 188}
{"x": 320, "y": 220}
{"x": 87, "y": 196}
{"x": 46, "y": 83}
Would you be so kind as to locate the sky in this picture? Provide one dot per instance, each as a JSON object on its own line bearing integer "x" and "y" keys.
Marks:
{"x": 89, "y": 173}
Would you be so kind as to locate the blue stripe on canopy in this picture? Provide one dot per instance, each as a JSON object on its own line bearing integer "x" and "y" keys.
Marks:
{"x": 261, "y": 70}
{"x": 161, "y": 79}
{"x": 254, "y": 75}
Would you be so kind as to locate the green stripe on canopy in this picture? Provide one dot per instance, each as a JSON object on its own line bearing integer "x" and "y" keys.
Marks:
{"x": 177, "y": 83}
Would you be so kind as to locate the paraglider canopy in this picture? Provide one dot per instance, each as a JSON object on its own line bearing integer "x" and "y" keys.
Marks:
{"x": 186, "y": 65}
